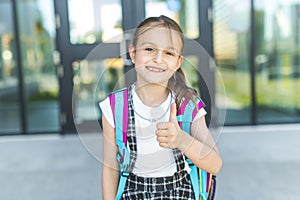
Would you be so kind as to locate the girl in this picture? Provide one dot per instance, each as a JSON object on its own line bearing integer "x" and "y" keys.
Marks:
{"x": 156, "y": 95}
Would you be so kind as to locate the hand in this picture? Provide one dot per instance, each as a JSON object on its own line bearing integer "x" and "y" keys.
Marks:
{"x": 168, "y": 133}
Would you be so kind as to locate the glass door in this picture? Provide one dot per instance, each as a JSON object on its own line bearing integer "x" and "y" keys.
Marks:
{"x": 92, "y": 60}
{"x": 29, "y": 89}
{"x": 10, "y": 122}
{"x": 94, "y": 47}
{"x": 257, "y": 51}
{"x": 37, "y": 43}
{"x": 95, "y": 75}
{"x": 277, "y": 61}
{"x": 232, "y": 34}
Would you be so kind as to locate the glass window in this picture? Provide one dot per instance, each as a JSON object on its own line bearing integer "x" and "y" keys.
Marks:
{"x": 9, "y": 90}
{"x": 94, "y": 21}
{"x": 41, "y": 88}
{"x": 93, "y": 81}
{"x": 231, "y": 41}
{"x": 186, "y": 13}
{"x": 277, "y": 61}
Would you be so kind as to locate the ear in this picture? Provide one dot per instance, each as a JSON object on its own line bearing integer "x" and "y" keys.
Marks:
{"x": 132, "y": 52}
{"x": 179, "y": 62}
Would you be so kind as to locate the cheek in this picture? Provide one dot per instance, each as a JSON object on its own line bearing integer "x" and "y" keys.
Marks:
{"x": 138, "y": 58}
{"x": 174, "y": 66}
{"x": 141, "y": 59}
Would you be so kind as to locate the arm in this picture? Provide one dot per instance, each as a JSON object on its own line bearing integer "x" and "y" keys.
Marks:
{"x": 199, "y": 147}
{"x": 110, "y": 170}
{"x": 200, "y": 141}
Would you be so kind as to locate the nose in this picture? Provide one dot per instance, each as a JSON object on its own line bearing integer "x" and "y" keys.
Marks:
{"x": 158, "y": 57}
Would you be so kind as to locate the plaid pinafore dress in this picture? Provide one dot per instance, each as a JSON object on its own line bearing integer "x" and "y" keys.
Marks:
{"x": 176, "y": 187}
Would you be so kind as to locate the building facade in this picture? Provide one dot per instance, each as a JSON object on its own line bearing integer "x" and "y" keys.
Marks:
{"x": 59, "y": 58}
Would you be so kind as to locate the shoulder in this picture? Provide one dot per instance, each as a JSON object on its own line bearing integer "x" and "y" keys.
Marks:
{"x": 191, "y": 109}
{"x": 109, "y": 104}
{"x": 192, "y": 103}
{"x": 117, "y": 96}
{"x": 120, "y": 91}
{"x": 112, "y": 103}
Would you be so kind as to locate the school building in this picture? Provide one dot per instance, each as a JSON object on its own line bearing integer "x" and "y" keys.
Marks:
{"x": 50, "y": 78}
{"x": 59, "y": 58}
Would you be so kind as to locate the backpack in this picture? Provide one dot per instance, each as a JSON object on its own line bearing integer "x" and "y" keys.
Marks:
{"x": 203, "y": 183}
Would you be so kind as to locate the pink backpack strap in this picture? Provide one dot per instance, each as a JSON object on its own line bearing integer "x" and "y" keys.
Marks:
{"x": 201, "y": 180}
{"x": 119, "y": 106}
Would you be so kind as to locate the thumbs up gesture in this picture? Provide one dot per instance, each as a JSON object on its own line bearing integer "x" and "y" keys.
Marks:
{"x": 168, "y": 133}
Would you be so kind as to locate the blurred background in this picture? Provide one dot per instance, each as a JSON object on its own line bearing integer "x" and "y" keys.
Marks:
{"x": 51, "y": 83}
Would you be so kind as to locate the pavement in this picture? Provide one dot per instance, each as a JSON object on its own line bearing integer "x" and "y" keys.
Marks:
{"x": 259, "y": 162}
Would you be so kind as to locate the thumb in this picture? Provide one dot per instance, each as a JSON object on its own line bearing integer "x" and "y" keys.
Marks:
{"x": 173, "y": 112}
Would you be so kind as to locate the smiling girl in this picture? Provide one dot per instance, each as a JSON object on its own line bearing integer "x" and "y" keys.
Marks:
{"x": 159, "y": 170}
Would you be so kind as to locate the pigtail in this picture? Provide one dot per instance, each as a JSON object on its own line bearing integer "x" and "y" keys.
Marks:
{"x": 177, "y": 84}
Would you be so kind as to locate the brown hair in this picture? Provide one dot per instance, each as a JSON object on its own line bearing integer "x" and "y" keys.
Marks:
{"x": 177, "y": 83}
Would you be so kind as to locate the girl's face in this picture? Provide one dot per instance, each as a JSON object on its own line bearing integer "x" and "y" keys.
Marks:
{"x": 156, "y": 55}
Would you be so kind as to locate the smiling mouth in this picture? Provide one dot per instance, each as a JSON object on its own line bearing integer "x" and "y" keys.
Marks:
{"x": 154, "y": 69}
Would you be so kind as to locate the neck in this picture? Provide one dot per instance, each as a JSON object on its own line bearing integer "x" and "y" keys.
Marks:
{"x": 152, "y": 94}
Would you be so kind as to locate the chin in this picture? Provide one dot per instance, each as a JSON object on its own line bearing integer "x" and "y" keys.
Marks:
{"x": 161, "y": 83}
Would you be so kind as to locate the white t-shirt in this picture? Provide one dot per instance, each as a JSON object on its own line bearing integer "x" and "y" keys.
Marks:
{"x": 152, "y": 160}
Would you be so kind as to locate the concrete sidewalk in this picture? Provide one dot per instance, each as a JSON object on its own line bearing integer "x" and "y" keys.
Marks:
{"x": 259, "y": 163}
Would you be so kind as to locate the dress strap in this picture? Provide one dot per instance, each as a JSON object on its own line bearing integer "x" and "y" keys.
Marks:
{"x": 131, "y": 134}
{"x": 179, "y": 159}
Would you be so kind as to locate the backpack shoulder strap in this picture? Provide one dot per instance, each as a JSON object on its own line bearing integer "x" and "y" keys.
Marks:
{"x": 201, "y": 180}
{"x": 119, "y": 106}
{"x": 187, "y": 112}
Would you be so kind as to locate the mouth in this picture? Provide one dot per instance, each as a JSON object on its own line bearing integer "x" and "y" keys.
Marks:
{"x": 155, "y": 69}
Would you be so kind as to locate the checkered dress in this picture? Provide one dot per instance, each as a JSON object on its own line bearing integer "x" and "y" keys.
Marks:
{"x": 176, "y": 187}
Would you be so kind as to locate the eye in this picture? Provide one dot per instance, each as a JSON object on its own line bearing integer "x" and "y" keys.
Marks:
{"x": 170, "y": 53}
{"x": 149, "y": 49}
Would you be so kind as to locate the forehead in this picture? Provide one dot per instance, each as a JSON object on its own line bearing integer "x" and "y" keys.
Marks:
{"x": 160, "y": 36}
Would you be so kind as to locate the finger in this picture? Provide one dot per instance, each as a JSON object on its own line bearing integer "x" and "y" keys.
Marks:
{"x": 173, "y": 113}
{"x": 163, "y": 144}
{"x": 162, "y": 139}
{"x": 161, "y": 133}
{"x": 162, "y": 125}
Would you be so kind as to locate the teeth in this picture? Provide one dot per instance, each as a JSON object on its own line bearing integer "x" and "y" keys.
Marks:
{"x": 155, "y": 69}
